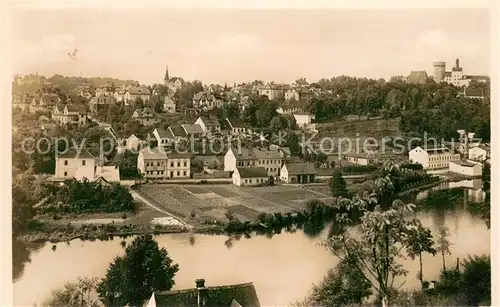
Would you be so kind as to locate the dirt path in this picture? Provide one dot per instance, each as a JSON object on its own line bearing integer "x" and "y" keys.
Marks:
{"x": 138, "y": 197}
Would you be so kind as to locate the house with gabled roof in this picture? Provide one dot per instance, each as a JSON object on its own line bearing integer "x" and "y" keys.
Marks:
{"x": 137, "y": 92}
{"x": 193, "y": 131}
{"x": 419, "y": 77}
{"x": 75, "y": 163}
{"x": 209, "y": 125}
{"x": 237, "y": 126}
{"x": 238, "y": 295}
{"x": 101, "y": 103}
{"x": 243, "y": 157}
{"x": 250, "y": 176}
{"x": 145, "y": 116}
{"x": 169, "y": 105}
{"x": 298, "y": 173}
{"x": 163, "y": 137}
{"x": 70, "y": 114}
{"x": 177, "y": 132}
{"x": 44, "y": 102}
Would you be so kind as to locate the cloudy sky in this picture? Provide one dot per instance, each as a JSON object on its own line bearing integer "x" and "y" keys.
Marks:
{"x": 217, "y": 46}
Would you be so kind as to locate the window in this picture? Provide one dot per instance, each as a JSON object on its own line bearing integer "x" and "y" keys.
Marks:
{"x": 178, "y": 164}
{"x": 250, "y": 180}
{"x": 178, "y": 173}
{"x": 184, "y": 173}
{"x": 65, "y": 174}
{"x": 65, "y": 163}
{"x": 171, "y": 174}
{"x": 171, "y": 164}
{"x": 157, "y": 163}
{"x": 83, "y": 162}
{"x": 185, "y": 164}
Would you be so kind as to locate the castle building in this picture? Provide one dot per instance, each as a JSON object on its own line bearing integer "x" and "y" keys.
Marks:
{"x": 456, "y": 76}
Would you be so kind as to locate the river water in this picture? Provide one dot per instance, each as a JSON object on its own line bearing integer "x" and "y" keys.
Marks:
{"x": 283, "y": 268}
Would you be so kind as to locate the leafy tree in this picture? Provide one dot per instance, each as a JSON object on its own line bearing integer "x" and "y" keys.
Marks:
{"x": 443, "y": 245}
{"x": 293, "y": 144}
{"x": 338, "y": 186}
{"x": 74, "y": 294}
{"x": 419, "y": 242}
{"x": 476, "y": 280}
{"x": 342, "y": 286}
{"x": 374, "y": 250}
{"x": 144, "y": 269}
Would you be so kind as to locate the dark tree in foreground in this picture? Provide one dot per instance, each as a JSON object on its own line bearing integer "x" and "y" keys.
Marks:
{"x": 342, "y": 286}
{"x": 338, "y": 185}
{"x": 144, "y": 269}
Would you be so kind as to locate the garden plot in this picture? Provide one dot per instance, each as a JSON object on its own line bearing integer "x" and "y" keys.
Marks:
{"x": 244, "y": 213}
{"x": 322, "y": 189}
{"x": 196, "y": 190}
{"x": 223, "y": 191}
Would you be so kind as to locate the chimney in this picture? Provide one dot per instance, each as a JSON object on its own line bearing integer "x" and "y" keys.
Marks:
{"x": 202, "y": 292}
{"x": 457, "y": 63}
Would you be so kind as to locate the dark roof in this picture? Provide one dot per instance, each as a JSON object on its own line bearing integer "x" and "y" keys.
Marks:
{"x": 464, "y": 163}
{"x": 77, "y": 108}
{"x": 177, "y": 131}
{"x": 417, "y": 77}
{"x": 72, "y": 152}
{"x": 474, "y": 91}
{"x": 164, "y": 134}
{"x": 210, "y": 121}
{"x": 192, "y": 128}
{"x": 252, "y": 172}
{"x": 447, "y": 74}
{"x": 236, "y": 123}
{"x": 300, "y": 168}
{"x": 139, "y": 91}
{"x": 437, "y": 151}
{"x": 222, "y": 296}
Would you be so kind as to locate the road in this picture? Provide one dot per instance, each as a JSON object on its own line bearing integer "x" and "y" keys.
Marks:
{"x": 138, "y": 197}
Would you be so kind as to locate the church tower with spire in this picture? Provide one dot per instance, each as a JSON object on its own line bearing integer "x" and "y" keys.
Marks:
{"x": 167, "y": 78}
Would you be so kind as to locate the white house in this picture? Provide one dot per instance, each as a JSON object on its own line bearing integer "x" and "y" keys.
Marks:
{"x": 75, "y": 163}
{"x": 133, "y": 143}
{"x": 169, "y": 105}
{"x": 154, "y": 163}
{"x": 134, "y": 93}
{"x": 151, "y": 162}
{"x": 236, "y": 126}
{"x": 432, "y": 158}
{"x": 298, "y": 173}
{"x": 270, "y": 160}
{"x": 70, "y": 114}
{"x": 479, "y": 153}
{"x": 466, "y": 168}
{"x": 360, "y": 158}
{"x": 163, "y": 137}
{"x": 249, "y": 176}
{"x": 303, "y": 118}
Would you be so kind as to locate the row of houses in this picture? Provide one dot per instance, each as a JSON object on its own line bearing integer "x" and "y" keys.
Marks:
{"x": 79, "y": 164}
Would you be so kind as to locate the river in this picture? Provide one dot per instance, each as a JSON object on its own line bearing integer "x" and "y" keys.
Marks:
{"x": 283, "y": 268}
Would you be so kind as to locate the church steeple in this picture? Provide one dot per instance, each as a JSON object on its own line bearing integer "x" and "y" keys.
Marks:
{"x": 166, "y": 75}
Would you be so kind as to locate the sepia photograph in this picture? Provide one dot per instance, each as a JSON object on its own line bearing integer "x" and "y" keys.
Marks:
{"x": 247, "y": 157}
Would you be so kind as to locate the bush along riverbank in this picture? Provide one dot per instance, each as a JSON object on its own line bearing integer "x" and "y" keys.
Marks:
{"x": 59, "y": 233}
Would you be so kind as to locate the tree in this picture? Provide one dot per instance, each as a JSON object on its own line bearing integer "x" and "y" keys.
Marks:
{"x": 338, "y": 185}
{"x": 276, "y": 124}
{"x": 374, "y": 249}
{"x": 74, "y": 294}
{"x": 420, "y": 241}
{"x": 293, "y": 144}
{"x": 443, "y": 245}
{"x": 342, "y": 286}
{"x": 143, "y": 269}
{"x": 476, "y": 280}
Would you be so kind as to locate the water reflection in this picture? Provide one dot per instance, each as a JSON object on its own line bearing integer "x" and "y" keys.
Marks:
{"x": 21, "y": 256}
{"x": 271, "y": 262}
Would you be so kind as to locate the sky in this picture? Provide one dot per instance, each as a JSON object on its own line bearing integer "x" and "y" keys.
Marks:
{"x": 237, "y": 45}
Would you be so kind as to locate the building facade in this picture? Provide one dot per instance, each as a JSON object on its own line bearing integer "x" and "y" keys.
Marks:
{"x": 75, "y": 164}
{"x": 250, "y": 176}
{"x": 430, "y": 159}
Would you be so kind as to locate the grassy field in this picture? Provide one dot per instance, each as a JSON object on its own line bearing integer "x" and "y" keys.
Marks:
{"x": 212, "y": 202}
